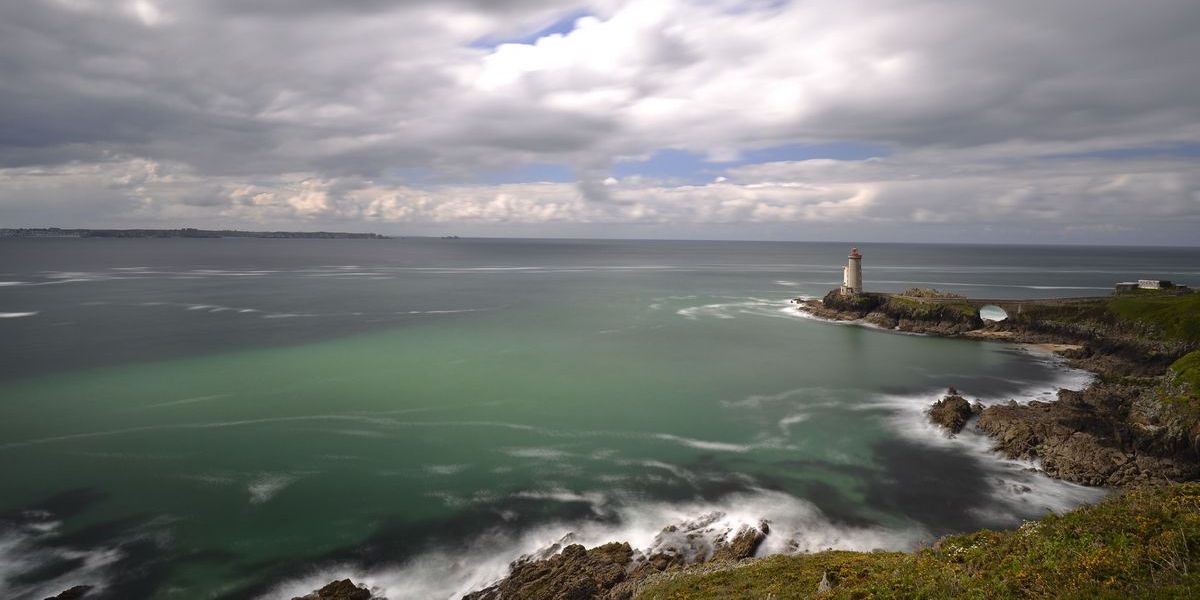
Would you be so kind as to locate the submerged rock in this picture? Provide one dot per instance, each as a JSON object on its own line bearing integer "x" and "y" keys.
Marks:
{"x": 952, "y": 412}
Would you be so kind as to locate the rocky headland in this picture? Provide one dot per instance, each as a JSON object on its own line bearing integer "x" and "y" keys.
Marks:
{"x": 1138, "y": 422}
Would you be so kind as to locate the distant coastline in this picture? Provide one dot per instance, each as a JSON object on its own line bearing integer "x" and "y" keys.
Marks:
{"x": 187, "y": 232}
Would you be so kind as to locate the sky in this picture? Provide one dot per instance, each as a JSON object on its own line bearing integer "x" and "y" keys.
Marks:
{"x": 1069, "y": 121}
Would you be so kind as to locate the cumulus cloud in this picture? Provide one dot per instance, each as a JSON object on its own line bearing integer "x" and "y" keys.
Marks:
{"x": 386, "y": 113}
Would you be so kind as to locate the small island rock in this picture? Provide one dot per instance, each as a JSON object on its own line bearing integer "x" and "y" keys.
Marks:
{"x": 951, "y": 412}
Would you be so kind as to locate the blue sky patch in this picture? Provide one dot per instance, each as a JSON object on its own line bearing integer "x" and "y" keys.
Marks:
{"x": 563, "y": 25}
{"x": 692, "y": 167}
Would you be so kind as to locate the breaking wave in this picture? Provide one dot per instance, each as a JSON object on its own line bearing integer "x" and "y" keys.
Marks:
{"x": 1017, "y": 486}
{"x": 691, "y": 529}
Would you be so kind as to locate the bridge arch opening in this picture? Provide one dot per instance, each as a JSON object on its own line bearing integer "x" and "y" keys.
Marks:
{"x": 991, "y": 312}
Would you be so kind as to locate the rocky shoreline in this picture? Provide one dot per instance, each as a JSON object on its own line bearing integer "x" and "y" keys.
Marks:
{"x": 1119, "y": 431}
{"x": 1136, "y": 424}
{"x": 613, "y": 571}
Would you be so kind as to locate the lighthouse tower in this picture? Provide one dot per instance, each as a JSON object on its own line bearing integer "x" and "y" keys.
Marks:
{"x": 852, "y": 274}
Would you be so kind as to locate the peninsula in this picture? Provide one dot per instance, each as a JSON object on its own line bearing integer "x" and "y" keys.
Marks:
{"x": 55, "y": 232}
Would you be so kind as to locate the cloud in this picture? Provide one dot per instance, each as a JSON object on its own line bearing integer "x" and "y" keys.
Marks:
{"x": 904, "y": 198}
{"x": 326, "y": 112}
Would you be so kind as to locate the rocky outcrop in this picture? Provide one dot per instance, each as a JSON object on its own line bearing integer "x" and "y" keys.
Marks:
{"x": 952, "y": 412}
{"x": 75, "y": 593}
{"x": 1133, "y": 426}
{"x": 741, "y": 545}
{"x": 1093, "y": 437}
{"x": 917, "y": 315}
{"x": 340, "y": 590}
{"x": 615, "y": 571}
{"x": 574, "y": 574}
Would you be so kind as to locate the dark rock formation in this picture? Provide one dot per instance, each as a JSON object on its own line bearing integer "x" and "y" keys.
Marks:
{"x": 951, "y": 412}
{"x": 742, "y": 545}
{"x": 615, "y": 571}
{"x": 340, "y": 590}
{"x": 75, "y": 593}
{"x": 1093, "y": 437}
{"x": 1130, "y": 427}
{"x": 574, "y": 574}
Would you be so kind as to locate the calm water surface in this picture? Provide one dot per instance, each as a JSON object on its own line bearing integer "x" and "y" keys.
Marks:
{"x": 250, "y": 418}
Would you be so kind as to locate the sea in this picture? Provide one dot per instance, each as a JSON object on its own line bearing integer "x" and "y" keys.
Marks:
{"x": 253, "y": 418}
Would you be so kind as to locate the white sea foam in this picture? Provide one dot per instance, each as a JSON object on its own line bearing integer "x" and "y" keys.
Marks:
{"x": 1017, "y": 486}
{"x": 795, "y": 525}
{"x": 267, "y": 314}
{"x": 678, "y": 472}
{"x": 785, "y": 424}
{"x": 596, "y": 500}
{"x": 21, "y": 554}
{"x": 794, "y": 312}
{"x": 268, "y": 485}
{"x": 191, "y": 400}
{"x": 446, "y": 469}
{"x": 213, "y": 479}
{"x": 759, "y": 400}
{"x": 537, "y": 453}
{"x": 759, "y": 307}
{"x": 17, "y": 315}
{"x": 705, "y": 444}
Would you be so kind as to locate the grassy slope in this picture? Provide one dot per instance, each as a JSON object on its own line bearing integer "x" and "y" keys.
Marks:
{"x": 1150, "y": 315}
{"x": 929, "y": 311}
{"x": 1138, "y": 544}
{"x": 1175, "y": 318}
{"x": 1186, "y": 371}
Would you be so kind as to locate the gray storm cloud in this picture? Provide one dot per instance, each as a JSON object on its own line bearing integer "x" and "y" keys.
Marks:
{"x": 383, "y": 115}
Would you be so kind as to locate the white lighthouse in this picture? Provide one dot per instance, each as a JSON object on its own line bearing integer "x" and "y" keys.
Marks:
{"x": 852, "y": 274}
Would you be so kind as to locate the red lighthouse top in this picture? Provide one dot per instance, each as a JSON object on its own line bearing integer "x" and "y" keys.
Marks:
{"x": 854, "y": 253}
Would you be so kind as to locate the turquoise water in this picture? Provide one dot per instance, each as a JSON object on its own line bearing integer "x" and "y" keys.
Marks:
{"x": 251, "y": 418}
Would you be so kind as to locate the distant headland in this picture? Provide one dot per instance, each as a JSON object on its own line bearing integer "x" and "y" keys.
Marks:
{"x": 187, "y": 232}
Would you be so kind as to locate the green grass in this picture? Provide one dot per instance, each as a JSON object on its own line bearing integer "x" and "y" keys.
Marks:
{"x": 1160, "y": 316}
{"x": 1174, "y": 317}
{"x": 1183, "y": 399}
{"x": 1186, "y": 371}
{"x": 1143, "y": 543}
{"x": 930, "y": 311}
